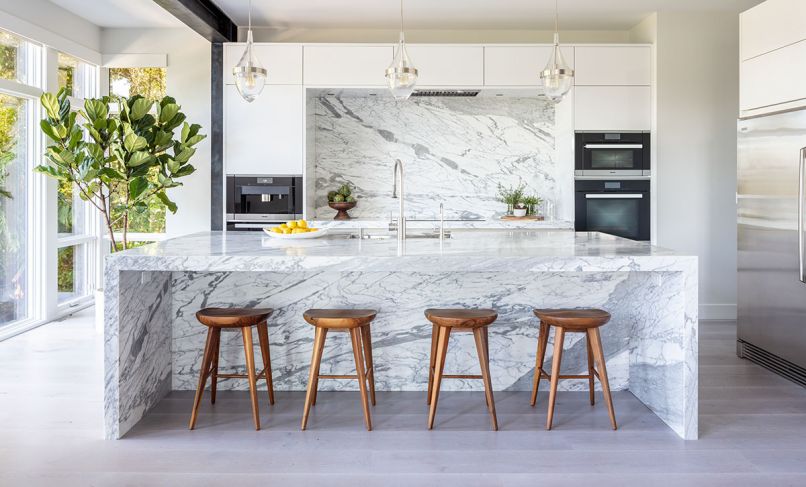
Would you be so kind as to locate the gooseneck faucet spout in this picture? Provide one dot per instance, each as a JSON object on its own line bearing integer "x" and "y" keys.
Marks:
{"x": 397, "y": 192}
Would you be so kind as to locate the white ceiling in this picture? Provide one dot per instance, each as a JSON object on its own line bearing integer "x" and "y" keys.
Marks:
{"x": 121, "y": 13}
{"x": 461, "y": 14}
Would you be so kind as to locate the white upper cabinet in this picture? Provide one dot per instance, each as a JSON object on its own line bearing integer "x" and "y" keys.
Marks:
{"x": 613, "y": 65}
{"x": 612, "y": 108}
{"x": 265, "y": 136}
{"x": 774, "y": 78}
{"x": 346, "y": 65}
{"x": 447, "y": 65}
{"x": 518, "y": 65}
{"x": 772, "y": 25}
{"x": 282, "y": 61}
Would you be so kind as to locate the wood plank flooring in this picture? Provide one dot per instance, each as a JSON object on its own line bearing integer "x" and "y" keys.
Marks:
{"x": 752, "y": 429}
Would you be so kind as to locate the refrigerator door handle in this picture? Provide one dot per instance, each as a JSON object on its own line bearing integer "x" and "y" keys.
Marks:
{"x": 801, "y": 170}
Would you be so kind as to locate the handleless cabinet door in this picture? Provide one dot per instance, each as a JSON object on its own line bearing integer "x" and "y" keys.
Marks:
{"x": 265, "y": 136}
{"x": 774, "y": 78}
{"x": 282, "y": 61}
{"x": 332, "y": 65}
{"x": 612, "y": 108}
{"x": 771, "y": 25}
{"x": 613, "y": 65}
{"x": 448, "y": 65}
{"x": 518, "y": 65}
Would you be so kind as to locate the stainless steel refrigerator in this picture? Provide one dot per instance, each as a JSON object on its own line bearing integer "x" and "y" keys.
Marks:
{"x": 770, "y": 202}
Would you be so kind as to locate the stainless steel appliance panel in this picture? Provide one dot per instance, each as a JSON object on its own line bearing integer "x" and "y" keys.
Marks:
{"x": 771, "y": 291}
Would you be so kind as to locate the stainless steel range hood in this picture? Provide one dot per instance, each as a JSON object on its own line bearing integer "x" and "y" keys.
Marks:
{"x": 455, "y": 93}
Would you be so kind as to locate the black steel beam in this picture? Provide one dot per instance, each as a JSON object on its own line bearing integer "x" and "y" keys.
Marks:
{"x": 217, "y": 137}
{"x": 203, "y": 17}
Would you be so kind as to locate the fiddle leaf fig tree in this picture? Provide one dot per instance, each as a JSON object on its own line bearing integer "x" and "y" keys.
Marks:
{"x": 119, "y": 160}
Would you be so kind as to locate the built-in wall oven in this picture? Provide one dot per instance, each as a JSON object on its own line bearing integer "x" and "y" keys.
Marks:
{"x": 618, "y": 207}
{"x": 612, "y": 154}
{"x": 254, "y": 201}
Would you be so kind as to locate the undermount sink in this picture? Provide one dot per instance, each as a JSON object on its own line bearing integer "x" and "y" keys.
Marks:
{"x": 388, "y": 236}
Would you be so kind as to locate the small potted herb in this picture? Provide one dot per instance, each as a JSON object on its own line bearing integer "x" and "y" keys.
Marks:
{"x": 520, "y": 210}
{"x": 531, "y": 202}
{"x": 511, "y": 197}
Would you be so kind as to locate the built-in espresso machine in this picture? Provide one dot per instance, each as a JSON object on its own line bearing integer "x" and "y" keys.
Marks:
{"x": 255, "y": 201}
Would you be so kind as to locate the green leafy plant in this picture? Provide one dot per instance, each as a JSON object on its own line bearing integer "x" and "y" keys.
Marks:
{"x": 512, "y": 196}
{"x": 130, "y": 157}
{"x": 531, "y": 202}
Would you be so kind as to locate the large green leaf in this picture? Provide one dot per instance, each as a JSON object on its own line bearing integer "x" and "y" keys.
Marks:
{"x": 48, "y": 129}
{"x": 133, "y": 142}
{"x": 168, "y": 112}
{"x": 185, "y": 155}
{"x": 139, "y": 158}
{"x": 140, "y": 108}
{"x": 136, "y": 187}
{"x": 166, "y": 201}
{"x": 96, "y": 109}
{"x": 51, "y": 105}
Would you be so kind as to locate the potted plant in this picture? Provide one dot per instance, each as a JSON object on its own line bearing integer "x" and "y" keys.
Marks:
{"x": 511, "y": 197}
{"x": 531, "y": 202}
{"x": 520, "y": 210}
{"x": 341, "y": 200}
{"x": 130, "y": 156}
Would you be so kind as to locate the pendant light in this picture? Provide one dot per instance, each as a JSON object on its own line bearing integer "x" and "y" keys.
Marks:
{"x": 250, "y": 76}
{"x": 557, "y": 77}
{"x": 401, "y": 75}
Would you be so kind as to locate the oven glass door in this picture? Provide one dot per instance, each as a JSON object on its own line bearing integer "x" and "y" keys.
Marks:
{"x": 620, "y": 214}
{"x": 608, "y": 157}
{"x": 265, "y": 200}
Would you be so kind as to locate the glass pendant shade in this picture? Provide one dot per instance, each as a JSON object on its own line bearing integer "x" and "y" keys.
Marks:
{"x": 557, "y": 78}
{"x": 401, "y": 75}
{"x": 250, "y": 76}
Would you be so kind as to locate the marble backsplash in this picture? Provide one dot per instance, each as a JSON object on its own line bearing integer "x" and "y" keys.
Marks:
{"x": 455, "y": 151}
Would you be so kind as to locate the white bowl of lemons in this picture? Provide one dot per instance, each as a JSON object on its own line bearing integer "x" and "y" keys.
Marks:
{"x": 295, "y": 230}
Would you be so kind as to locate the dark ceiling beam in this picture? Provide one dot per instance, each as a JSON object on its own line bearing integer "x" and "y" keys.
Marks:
{"x": 203, "y": 17}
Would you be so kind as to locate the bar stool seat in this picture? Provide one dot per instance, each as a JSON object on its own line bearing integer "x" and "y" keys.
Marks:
{"x": 444, "y": 321}
{"x": 357, "y": 323}
{"x": 586, "y": 321}
{"x": 216, "y": 319}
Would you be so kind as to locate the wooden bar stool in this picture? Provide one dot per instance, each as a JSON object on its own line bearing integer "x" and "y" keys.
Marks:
{"x": 585, "y": 321}
{"x": 217, "y": 319}
{"x": 445, "y": 321}
{"x": 355, "y": 321}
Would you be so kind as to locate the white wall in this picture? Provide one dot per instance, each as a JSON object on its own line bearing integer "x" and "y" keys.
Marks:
{"x": 188, "y": 80}
{"x": 46, "y": 22}
{"x": 697, "y": 107}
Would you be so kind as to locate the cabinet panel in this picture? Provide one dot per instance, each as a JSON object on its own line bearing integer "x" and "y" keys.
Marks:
{"x": 772, "y": 25}
{"x": 773, "y": 78}
{"x": 346, "y": 65}
{"x": 283, "y": 62}
{"x": 613, "y": 65}
{"x": 518, "y": 65}
{"x": 612, "y": 108}
{"x": 265, "y": 136}
{"x": 448, "y": 65}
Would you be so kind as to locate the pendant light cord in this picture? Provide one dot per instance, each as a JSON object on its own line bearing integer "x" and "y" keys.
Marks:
{"x": 556, "y": 17}
{"x": 401, "y": 18}
{"x": 250, "y": 15}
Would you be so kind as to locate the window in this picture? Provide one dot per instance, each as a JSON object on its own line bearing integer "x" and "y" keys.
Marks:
{"x": 150, "y": 83}
{"x": 15, "y": 59}
{"x": 14, "y": 216}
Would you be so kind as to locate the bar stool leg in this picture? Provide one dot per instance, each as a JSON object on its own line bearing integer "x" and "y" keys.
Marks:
{"x": 316, "y": 379}
{"x": 366, "y": 338}
{"x": 355, "y": 336}
{"x": 265, "y": 353}
{"x": 313, "y": 375}
{"x": 484, "y": 362}
{"x": 214, "y": 367}
{"x": 590, "y": 370}
{"x": 203, "y": 373}
{"x": 542, "y": 343}
{"x": 556, "y": 361}
{"x": 443, "y": 335}
{"x": 431, "y": 362}
{"x": 598, "y": 354}
{"x": 249, "y": 352}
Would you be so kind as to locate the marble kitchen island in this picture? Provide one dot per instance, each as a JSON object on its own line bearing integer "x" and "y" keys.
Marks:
{"x": 153, "y": 343}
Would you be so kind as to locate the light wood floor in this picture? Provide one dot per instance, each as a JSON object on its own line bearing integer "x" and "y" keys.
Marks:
{"x": 752, "y": 424}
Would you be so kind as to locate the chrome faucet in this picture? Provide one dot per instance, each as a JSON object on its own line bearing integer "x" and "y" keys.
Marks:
{"x": 401, "y": 218}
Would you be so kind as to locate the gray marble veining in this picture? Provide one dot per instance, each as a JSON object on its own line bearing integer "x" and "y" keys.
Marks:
{"x": 154, "y": 343}
{"x": 455, "y": 151}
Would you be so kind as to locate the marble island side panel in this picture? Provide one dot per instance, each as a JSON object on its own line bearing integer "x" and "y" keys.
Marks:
{"x": 154, "y": 343}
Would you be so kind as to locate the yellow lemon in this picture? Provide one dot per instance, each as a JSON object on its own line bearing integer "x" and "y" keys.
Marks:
{"x": 312, "y": 229}
{"x": 283, "y": 225}
{"x": 298, "y": 230}
{"x": 292, "y": 224}
{"x": 287, "y": 231}
{"x": 277, "y": 230}
{"x": 302, "y": 224}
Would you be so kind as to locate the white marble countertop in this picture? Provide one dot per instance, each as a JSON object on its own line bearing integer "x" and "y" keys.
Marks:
{"x": 449, "y": 224}
{"x": 538, "y": 250}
